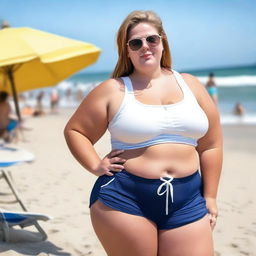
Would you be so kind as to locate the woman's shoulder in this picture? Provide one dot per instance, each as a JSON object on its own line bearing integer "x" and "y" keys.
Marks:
{"x": 188, "y": 77}
{"x": 107, "y": 88}
{"x": 197, "y": 88}
{"x": 193, "y": 82}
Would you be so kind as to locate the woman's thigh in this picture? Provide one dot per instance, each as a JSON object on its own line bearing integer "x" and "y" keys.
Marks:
{"x": 123, "y": 234}
{"x": 194, "y": 239}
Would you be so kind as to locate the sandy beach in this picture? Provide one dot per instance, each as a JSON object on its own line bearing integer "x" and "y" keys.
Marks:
{"x": 56, "y": 185}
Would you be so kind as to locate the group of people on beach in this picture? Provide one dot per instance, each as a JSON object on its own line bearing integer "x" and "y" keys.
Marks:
{"x": 54, "y": 102}
{"x": 212, "y": 89}
{"x": 11, "y": 129}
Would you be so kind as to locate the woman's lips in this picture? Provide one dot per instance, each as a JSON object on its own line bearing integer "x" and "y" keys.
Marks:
{"x": 147, "y": 55}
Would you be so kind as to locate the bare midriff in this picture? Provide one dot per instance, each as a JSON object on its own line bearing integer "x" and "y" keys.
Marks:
{"x": 153, "y": 162}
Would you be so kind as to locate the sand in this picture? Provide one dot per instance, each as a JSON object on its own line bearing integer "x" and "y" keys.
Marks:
{"x": 56, "y": 185}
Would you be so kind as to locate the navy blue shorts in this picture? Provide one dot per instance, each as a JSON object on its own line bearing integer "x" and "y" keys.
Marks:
{"x": 168, "y": 202}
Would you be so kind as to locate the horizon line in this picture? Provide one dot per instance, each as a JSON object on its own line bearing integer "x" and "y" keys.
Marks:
{"x": 185, "y": 69}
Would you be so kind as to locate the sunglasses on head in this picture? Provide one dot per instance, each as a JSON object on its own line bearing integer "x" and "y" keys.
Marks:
{"x": 136, "y": 44}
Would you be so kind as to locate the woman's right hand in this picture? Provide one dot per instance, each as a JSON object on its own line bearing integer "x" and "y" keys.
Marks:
{"x": 110, "y": 163}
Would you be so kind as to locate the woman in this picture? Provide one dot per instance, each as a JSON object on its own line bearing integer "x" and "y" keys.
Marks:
{"x": 147, "y": 200}
{"x": 8, "y": 124}
{"x": 212, "y": 88}
{"x": 239, "y": 109}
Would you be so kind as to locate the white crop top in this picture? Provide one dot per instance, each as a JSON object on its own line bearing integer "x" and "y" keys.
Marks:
{"x": 138, "y": 125}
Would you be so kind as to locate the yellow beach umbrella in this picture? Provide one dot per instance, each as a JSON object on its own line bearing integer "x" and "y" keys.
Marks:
{"x": 31, "y": 59}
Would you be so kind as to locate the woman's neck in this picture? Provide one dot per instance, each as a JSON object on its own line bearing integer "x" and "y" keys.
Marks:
{"x": 142, "y": 75}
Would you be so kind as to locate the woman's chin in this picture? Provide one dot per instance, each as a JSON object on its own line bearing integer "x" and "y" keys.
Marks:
{"x": 148, "y": 64}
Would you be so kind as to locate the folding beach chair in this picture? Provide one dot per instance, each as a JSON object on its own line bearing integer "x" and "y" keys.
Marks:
{"x": 10, "y": 156}
{"x": 9, "y": 219}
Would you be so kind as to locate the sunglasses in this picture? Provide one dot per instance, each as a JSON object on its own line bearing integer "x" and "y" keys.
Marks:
{"x": 136, "y": 44}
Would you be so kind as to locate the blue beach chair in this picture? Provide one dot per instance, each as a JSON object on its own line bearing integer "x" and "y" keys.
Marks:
{"x": 9, "y": 219}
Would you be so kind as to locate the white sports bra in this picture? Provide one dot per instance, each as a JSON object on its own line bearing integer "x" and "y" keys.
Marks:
{"x": 138, "y": 125}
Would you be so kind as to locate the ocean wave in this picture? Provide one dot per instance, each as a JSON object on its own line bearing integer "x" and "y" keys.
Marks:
{"x": 220, "y": 81}
{"x": 231, "y": 80}
{"x": 248, "y": 119}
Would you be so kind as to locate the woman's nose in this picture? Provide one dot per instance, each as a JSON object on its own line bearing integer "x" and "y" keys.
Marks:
{"x": 144, "y": 44}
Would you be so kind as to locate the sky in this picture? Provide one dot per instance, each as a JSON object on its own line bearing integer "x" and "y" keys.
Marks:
{"x": 201, "y": 33}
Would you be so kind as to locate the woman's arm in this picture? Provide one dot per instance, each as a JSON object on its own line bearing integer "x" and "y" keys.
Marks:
{"x": 87, "y": 126}
{"x": 209, "y": 147}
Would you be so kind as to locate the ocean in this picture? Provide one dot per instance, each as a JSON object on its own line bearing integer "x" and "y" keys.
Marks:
{"x": 235, "y": 84}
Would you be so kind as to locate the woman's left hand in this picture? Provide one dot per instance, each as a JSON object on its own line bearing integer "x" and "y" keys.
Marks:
{"x": 211, "y": 206}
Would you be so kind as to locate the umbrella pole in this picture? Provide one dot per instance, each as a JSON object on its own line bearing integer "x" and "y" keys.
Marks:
{"x": 14, "y": 93}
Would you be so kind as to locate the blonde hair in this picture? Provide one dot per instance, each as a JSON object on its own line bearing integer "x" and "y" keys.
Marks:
{"x": 124, "y": 66}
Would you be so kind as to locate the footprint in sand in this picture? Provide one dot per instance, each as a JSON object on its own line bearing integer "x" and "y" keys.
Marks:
{"x": 244, "y": 253}
{"x": 234, "y": 245}
{"x": 53, "y": 231}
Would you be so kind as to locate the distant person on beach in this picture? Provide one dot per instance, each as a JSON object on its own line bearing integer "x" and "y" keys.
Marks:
{"x": 54, "y": 100}
{"x": 5, "y": 24}
{"x": 39, "y": 104}
{"x": 79, "y": 95}
{"x": 239, "y": 109}
{"x": 68, "y": 94}
{"x": 8, "y": 124}
{"x": 27, "y": 110}
{"x": 150, "y": 197}
{"x": 212, "y": 88}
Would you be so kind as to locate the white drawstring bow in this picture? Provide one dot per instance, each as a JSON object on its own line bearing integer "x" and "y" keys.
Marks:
{"x": 169, "y": 189}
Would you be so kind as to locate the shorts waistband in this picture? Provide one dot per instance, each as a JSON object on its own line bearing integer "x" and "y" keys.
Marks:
{"x": 125, "y": 174}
